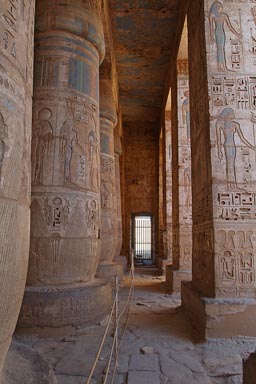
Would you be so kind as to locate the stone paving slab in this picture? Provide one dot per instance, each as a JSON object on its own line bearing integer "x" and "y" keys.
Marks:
{"x": 142, "y": 377}
{"x": 63, "y": 379}
{"x": 141, "y": 362}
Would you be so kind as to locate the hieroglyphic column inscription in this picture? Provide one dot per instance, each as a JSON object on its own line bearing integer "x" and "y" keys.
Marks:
{"x": 185, "y": 193}
{"x": 230, "y": 45}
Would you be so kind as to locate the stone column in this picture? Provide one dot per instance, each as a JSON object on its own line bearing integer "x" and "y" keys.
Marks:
{"x": 161, "y": 251}
{"x": 221, "y": 298}
{"x": 16, "y": 74}
{"x": 119, "y": 232}
{"x": 108, "y": 269}
{"x": 65, "y": 231}
{"x": 168, "y": 140}
{"x": 184, "y": 269}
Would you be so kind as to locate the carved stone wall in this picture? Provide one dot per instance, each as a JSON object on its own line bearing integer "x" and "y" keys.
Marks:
{"x": 141, "y": 174}
{"x": 230, "y": 40}
{"x": 16, "y": 74}
{"x": 185, "y": 192}
{"x": 65, "y": 209}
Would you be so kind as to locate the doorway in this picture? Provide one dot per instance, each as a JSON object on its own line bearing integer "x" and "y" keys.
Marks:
{"x": 142, "y": 238}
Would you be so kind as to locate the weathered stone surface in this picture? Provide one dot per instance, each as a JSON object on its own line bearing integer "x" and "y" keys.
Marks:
{"x": 174, "y": 279}
{"x": 16, "y": 77}
{"x": 26, "y": 366}
{"x": 109, "y": 271}
{"x": 142, "y": 377}
{"x": 62, "y": 379}
{"x": 78, "y": 304}
{"x": 141, "y": 362}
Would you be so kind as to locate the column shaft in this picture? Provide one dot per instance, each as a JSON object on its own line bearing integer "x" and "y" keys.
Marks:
{"x": 65, "y": 210}
{"x": 16, "y": 74}
{"x": 182, "y": 272}
{"x": 108, "y": 269}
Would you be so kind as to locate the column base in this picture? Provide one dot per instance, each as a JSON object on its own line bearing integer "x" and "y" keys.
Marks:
{"x": 122, "y": 260}
{"x": 175, "y": 277}
{"x": 62, "y": 306}
{"x": 218, "y": 317}
{"x": 162, "y": 265}
{"x": 108, "y": 272}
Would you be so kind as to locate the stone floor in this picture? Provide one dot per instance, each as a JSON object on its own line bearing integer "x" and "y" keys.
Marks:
{"x": 159, "y": 347}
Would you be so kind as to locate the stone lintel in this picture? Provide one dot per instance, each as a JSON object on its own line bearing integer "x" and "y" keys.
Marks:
{"x": 218, "y": 317}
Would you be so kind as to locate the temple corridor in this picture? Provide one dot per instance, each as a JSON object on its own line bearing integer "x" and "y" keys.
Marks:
{"x": 128, "y": 138}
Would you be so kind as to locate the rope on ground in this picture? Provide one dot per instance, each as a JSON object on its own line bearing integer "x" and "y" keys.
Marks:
{"x": 116, "y": 345}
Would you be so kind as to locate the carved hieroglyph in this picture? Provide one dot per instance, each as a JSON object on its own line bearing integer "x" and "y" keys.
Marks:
{"x": 108, "y": 120}
{"x": 225, "y": 160}
{"x": 16, "y": 73}
{"x": 65, "y": 209}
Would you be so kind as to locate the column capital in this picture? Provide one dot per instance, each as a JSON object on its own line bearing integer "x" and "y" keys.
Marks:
{"x": 78, "y": 17}
{"x": 108, "y": 109}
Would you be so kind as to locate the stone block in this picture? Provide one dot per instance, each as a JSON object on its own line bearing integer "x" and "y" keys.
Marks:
{"x": 142, "y": 377}
{"x": 140, "y": 362}
{"x": 175, "y": 277}
{"x": 219, "y": 317}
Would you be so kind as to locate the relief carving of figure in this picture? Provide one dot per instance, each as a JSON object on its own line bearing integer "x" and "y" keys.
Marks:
{"x": 217, "y": 20}
{"x": 3, "y": 137}
{"x": 228, "y": 266}
{"x": 42, "y": 137}
{"x": 92, "y": 218}
{"x": 186, "y": 113}
{"x": 253, "y": 11}
{"x": 187, "y": 187}
{"x": 93, "y": 160}
{"x": 68, "y": 137}
{"x": 226, "y": 125}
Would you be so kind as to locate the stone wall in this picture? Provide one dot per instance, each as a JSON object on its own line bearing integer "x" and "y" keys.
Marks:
{"x": 141, "y": 174}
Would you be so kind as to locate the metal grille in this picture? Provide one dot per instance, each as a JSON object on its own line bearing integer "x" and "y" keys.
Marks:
{"x": 143, "y": 238}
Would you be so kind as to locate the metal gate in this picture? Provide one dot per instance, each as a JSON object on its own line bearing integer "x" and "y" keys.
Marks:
{"x": 142, "y": 238}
